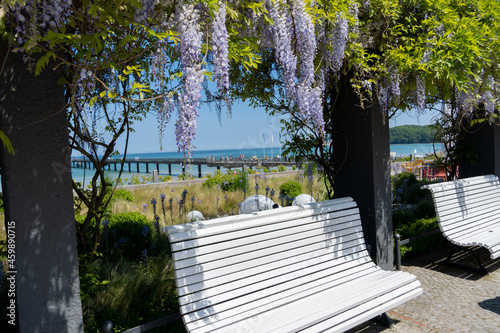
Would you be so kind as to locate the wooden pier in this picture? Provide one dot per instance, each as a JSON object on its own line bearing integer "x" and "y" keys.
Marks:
{"x": 113, "y": 164}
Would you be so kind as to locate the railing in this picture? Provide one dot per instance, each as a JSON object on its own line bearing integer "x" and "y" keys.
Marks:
{"x": 400, "y": 242}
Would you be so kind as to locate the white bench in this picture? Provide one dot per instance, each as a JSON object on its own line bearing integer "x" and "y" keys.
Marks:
{"x": 283, "y": 270}
{"x": 468, "y": 211}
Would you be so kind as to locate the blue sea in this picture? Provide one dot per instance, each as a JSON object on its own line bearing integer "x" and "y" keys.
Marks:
{"x": 82, "y": 175}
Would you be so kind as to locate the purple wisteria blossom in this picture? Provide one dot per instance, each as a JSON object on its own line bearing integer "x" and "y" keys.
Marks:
{"x": 220, "y": 48}
{"x": 35, "y": 15}
{"x": 141, "y": 14}
{"x": 283, "y": 44}
{"x": 383, "y": 97}
{"x": 189, "y": 101}
{"x": 306, "y": 41}
{"x": 420, "y": 94}
{"x": 338, "y": 42}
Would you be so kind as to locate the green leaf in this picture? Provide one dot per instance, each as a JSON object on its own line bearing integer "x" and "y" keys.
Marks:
{"x": 6, "y": 143}
{"x": 126, "y": 40}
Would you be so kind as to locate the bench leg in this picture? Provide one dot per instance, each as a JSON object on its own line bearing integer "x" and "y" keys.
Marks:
{"x": 384, "y": 320}
{"x": 475, "y": 253}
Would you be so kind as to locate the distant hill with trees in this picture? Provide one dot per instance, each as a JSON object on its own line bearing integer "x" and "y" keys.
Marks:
{"x": 411, "y": 134}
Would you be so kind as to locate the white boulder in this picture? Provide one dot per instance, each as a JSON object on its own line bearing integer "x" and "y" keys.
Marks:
{"x": 256, "y": 203}
{"x": 194, "y": 216}
{"x": 302, "y": 199}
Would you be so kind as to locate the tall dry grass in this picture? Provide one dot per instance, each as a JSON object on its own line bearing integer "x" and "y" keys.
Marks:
{"x": 211, "y": 202}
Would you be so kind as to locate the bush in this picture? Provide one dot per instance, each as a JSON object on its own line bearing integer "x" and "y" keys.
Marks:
{"x": 419, "y": 227}
{"x": 229, "y": 182}
{"x": 130, "y": 234}
{"x": 290, "y": 189}
{"x": 406, "y": 189}
{"x": 120, "y": 194}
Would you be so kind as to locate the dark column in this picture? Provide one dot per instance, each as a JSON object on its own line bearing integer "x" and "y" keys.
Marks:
{"x": 129, "y": 167}
{"x": 362, "y": 163}
{"x": 199, "y": 170}
{"x": 147, "y": 168}
{"x": 170, "y": 169}
{"x": 38, "y": 198}
{"x": 485, "y": 139}
{"x": 137, "y": 167}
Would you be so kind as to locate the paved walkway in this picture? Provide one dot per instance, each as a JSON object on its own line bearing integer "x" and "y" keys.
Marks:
{"x": 454, "y": 299}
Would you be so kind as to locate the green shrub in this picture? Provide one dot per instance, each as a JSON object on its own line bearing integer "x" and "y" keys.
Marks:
{"x": 229, "y": 182}
{"x": 416, "y": 228}
{"x": 120, "y": 194}
{"x": 406, "y": 189}
{"x": 130, "y": 234}
{"x": 290, "y": 189}
{"x": 281, "y": 168}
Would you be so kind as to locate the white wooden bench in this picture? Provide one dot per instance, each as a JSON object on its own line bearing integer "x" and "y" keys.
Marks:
{"x": 300, "y": 268}
{"x": 468, "y": 211}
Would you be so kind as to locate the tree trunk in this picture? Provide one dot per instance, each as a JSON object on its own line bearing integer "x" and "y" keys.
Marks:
{"x": 38, "y": 199}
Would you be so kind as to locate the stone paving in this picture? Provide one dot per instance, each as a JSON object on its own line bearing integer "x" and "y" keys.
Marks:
{"x": 454, "y": 299}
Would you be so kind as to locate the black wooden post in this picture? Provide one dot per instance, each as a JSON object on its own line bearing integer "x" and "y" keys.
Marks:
{"x": 199, "y": 170}
{"x": 38, "y": 199}
{"x": 485, "y": 139}
{"x": 362, "y": 163}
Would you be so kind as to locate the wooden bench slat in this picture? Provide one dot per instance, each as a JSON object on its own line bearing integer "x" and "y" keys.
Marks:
{"x": 487, "y": 237}
{"x": 471, "y": 222}
{"x": 290, "y": 290}
{"x": 479, "y": 198}
{"x": 251, "y": 236}
{"x": 485, "y": 218}
{"x": 466, "y": 212}
{"x": 230, "y": 220}
{"x": 245, "y": 221}
{"x": 461, "y": 183}
{"x": 243, "y": 284}
{"x": 355, "y": 245}
{"x": 320, "y": 306}
{"x": 252, "y": 251}
{"x": 197, "y": 274}
{"x": 370, "y": 309}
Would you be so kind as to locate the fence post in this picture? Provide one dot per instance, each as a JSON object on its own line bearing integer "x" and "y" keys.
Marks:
{"x": 107, "y": 327}
{"x": 397, "y": 237}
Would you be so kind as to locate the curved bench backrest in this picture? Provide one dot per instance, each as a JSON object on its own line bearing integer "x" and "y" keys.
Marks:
{"x": 466, "y": 206}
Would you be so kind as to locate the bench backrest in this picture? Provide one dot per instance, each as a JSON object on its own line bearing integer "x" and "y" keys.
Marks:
{"x": 467, "y": 205}
{"x": 236, "y": 266}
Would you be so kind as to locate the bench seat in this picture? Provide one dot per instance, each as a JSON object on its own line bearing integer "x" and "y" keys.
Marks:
{"x": 291, "y": 269}
{"x": 468, "y": 211}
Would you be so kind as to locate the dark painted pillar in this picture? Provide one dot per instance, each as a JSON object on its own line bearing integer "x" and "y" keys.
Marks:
{"x": 362, "y": 163}
{"x": 38, "y": 198}
{"x": 199, "y": 170}
{"x": 170, "y": 169}
{"x": 485, "y": 139}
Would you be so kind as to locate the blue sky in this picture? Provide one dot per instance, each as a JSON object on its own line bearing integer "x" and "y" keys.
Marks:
{"x": 245, "y": 129}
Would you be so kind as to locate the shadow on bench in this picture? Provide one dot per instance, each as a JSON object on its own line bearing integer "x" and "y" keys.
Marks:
{"x": 283, "y": 270}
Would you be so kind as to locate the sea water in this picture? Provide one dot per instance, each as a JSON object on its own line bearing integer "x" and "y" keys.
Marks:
{"x": 84, "y": 175}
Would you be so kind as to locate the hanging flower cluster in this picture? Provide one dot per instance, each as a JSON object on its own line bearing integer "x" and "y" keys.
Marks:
{"x": 298, "y": 71}
{"x": 220, "y": 48}
{"x": 193, "y": 76}
{"x": 147, "y": 10}
{"x": 33, "y": 16}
